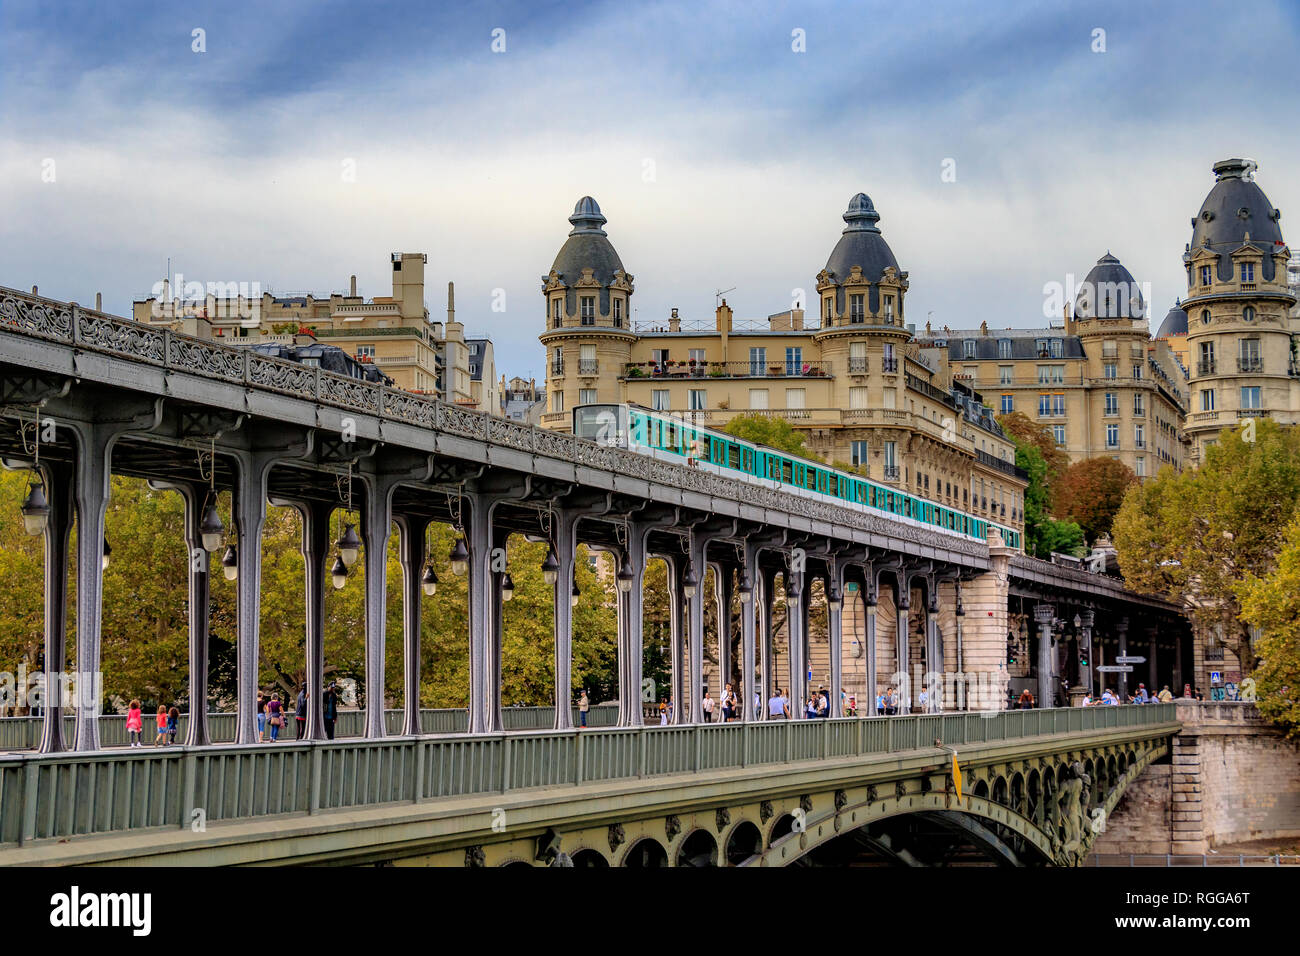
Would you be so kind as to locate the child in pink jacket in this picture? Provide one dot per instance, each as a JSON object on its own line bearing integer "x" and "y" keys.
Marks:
{"x": 134, "y": 723}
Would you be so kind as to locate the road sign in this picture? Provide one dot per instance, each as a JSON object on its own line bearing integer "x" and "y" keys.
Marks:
{"x": 1116, "y": 669}
{"x": 1216, "y": 677}
{"x": 1130, "y": 660}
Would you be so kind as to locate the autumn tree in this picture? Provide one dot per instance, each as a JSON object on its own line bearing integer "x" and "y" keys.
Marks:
{"x": 1271, "y": 603}
{"x": 1194, "y": 536}
{"x": 1090, "y": 492}
{"x": 1023, "y": 430}
{"x": 1043, "y": 533}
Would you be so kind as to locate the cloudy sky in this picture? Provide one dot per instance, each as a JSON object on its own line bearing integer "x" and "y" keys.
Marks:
{"x": 722, "y": 156}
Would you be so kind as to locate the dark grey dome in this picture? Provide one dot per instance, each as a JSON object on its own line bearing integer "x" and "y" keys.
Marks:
{"x": 1236, "y": 206}
{"x": 861, "y": 244}
{"x": 1175, "y": 322}
{"x": 588, "y": 247}
{"x": 1109, "y": 291}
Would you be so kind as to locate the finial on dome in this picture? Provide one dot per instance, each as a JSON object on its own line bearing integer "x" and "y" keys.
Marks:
{"x": 587, "y": 218}
{"x": 861, "y": 215}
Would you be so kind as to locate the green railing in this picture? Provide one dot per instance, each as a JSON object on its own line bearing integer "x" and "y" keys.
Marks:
{"x": 24, "y": 733}
{"x": 45, "y": 796}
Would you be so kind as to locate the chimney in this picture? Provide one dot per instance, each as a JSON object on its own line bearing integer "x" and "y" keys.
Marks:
{"x": 451, "y": 302}
{"x": 35, "y": 291}
{"x": 352, "y": 287}
{"x": 724, "y": 317}
{"x": 99, "y": 302}
{"x": 796, "y": 320}
{"x": 674, "y": 323}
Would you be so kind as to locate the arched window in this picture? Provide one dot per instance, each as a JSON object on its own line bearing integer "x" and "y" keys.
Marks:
{"x": 1248, "y": 313}
{"x": 1205, "y": 317}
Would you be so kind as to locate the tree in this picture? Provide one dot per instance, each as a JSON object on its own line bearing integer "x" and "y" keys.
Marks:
{"x": 1090, "y": 492}
{"x": 1023, "y": 430}
{"x": 774, "y": 432}
{"x": 1043, "y": 533}
{"x": 1271, "y": 603}
{"x": 1192, "y": 537}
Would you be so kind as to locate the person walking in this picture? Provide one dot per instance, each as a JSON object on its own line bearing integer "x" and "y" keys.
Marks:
{"x": 134, "y": 723}
{"x": 161, "y": 737}
{"x": 173, "y": 724}
{"x": 584, "y": 704}
{"x": 274, "y": 716}
{"x": 728, "y": 705}
{"x": 663, "y": 713}
{"x": 708, "y": 707}
{"x": 331, "y": 709}
{"x": 300, "y": 713}
{"x": 261, "y": 716}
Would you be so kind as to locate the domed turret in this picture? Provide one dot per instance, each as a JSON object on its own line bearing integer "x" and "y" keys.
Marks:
{"x": 861, "y": 283}
{"x": 588, "y": 247}
{"x": 1109, "y": 291}
{"x": 1175, "y": 323}
{"x": 1236, "y": 213}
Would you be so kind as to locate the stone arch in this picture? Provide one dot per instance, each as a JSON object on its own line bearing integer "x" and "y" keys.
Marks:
{"x": 589, "y": 857}
{"x": 699, "y": 849}
{"x": 981, "y": 789}
{"x": 1000, "y": 791}
{"x": 1018, "y": 793}
{"x": 644, "y": 853}
{"x": 744, "y": 841}
{"x": 1034, "y": 793}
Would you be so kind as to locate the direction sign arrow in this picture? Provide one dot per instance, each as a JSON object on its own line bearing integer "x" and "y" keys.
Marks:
{"x": 1130, "y": 660}
{"x": 1116, "y": 669}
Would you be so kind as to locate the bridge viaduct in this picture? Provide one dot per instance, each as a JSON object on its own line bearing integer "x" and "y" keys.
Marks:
{"x": 84, "y": 395}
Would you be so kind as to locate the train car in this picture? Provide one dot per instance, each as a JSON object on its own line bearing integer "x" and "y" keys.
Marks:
{"x": 676, "y": 439}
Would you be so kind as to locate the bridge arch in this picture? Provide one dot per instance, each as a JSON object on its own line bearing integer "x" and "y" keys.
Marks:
{"x": 590, "y": 858}
{"x": 698, "y": 849}
{"x": 645, "y": 853}
{"x": 744, "y": 842}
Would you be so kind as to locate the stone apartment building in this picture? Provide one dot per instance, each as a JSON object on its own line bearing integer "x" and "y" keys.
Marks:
{"x": 850, "y": 375}
{"x": 395, "y": 332}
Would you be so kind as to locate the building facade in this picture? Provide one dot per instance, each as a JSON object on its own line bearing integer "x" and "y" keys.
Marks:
{"x": 1240, "y": 307}
{"x": 394, "y": 332}
{"x": 850, "y": 376}
{"x": 1098, "y": 382}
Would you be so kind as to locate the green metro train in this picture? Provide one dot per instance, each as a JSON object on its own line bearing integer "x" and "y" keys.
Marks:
{"x": 674, "y": 439}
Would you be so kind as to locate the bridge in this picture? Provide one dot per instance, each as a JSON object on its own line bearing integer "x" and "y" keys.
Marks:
{"x": 85, "y": 395}
{"x": 1033, "y": 784}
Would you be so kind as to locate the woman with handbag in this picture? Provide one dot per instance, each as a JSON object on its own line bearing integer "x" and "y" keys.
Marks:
{"x": 274, "y": 717}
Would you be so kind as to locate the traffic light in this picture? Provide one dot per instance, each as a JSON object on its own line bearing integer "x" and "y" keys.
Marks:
{"x": 1083, "y": 659}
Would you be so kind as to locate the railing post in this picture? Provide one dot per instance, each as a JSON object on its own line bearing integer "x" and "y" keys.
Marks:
{"x": 417, "y": 789}
{"x": 826, "y": 738}
{"x": 645, "y": 749}
{"x": 577, "y": 763}
{"x": 699, "y": 742}
{"x": 789, "y": 738}
{"x": 314, "y": 801}
{"x": 76, "y": 326}
{"x": 30, "y": 779}
{"x": 245, "y": 367}
{"x": 189, "y": 775}
{"x": 505, "y": 764}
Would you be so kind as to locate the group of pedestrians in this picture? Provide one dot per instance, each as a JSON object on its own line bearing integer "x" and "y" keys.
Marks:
{"x": 1110, "y": 698}
{"x": 167, "y": 721}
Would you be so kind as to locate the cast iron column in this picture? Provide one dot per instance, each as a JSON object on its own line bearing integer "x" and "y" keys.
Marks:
{"x": 794, "y": 618}
{"x": 566, "y": 547}
{"x": 901, "y": 641}
{"x": 1121, "y": 632}
{"x": 748, "y": 578}
{"x": 835, "y": 635}
{"x": 412, "y": 530}
{"x": 315, "y": 551}
{"x": 1044, "y": 614}
{"x": 59, "y": 495}
{"x": 765, "y": 596}
{"x": 1086, "y": 618}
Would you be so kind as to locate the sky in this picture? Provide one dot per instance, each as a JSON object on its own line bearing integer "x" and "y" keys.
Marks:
{"x": 1006, "y": 145}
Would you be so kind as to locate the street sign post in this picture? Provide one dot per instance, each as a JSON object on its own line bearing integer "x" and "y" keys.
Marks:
{"x": 1116, "y": 669}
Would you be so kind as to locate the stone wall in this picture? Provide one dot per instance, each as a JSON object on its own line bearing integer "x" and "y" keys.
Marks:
{"x": 1231, "y": 777}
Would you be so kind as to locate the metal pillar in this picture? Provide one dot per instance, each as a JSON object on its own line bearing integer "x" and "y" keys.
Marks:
{"x": 963, "y": 702}
{"x": 412, "y": 530}
{"x": 870, "y": 596}
{"x": 376, "y": 530}
{"x": 58, "y": 480}
{"x": 723, "y": 588}
{"x": 1152, "y": 674}
{"x": 676, "y": 618}
{"x": 315, "y": 550}
{"x": 795, "y": 602}
{"x": 835, "y": 636}
{"x": 695, "y": 629}
{"x": 933, "y": 651}
{"x": 749, "y": 578}
{"x": 1121, "y": 631}
{"x": 1086, "y": 619}
{"x": 901, "y": 641}
{"x": 765, "y": 597}
{"x": 199, "y": 563}
{"x": 1044, "y": 615}
{"x": 566, "y": 549}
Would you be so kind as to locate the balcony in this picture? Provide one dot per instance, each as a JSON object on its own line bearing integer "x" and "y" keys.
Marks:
{"x": 858, "y": 366}
{"x": 891, "y": 473}
{"x": 1253, "y": 413}
{"x": 1139, "y": 443}
{"x": 925, "y": 388}
{"x": 1112, "y": 446}
{"x": 1006, "y": 467}
{"x": 888, "y": 364}
{"x": 1202, "y": 418}
{"x": 557, "y": 368}
{"x": 1051, "y": 413}
{"x": 725, "y": 370}
{"x": 1205, "y": 367}
{"x": 588, "y": 366}
{"x": 1254, "y": 364}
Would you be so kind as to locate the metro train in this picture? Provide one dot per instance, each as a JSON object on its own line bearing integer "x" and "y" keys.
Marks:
{"x": 670, "y": 438}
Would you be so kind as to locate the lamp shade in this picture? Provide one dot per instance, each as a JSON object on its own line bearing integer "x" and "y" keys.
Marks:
{"x": 429, "y": 580}
{"x": 459, "y": 557}
{"x": 36, "y": 510}
{"x": 339, "y": 572}
{"x": 107, "y": 552}
{"x": 230, "y": 563}
{"x": 625, "y": 577}
{"x": 507, "y": 587}
{"x": 349, "y": 545}
{"x": 211, "y": 529}
{"x": 551, "y": 566}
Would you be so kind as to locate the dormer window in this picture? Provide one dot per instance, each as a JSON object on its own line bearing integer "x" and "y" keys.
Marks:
{"x": 1004, "y": 348}
{"x": 857, "y": 312}
{"x": 618, "y": 313}
{"x": 1205, "y": 275}
{"x": 889, "y": 308}
{"x": 588, "y": 310}
{"x": 556, "y": 318}
{"x": 828, "y": 310}
{"x": 968, "y": 348}
{"x": 1248, "y": 272}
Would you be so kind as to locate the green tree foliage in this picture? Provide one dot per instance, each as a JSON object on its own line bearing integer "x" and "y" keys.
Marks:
{"x": 145, "y": 620}
{"x": 774, "y": 432}
{"x": 1193, "y": 537}
{"x": 1272, "y": 604}
{"x": 1021, "y": 429}
{"x": 1090, "y": 493}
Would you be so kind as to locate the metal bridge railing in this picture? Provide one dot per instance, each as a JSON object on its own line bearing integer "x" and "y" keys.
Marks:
{"x": 24, "y": 733}
{"x": 58, "y": 796}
